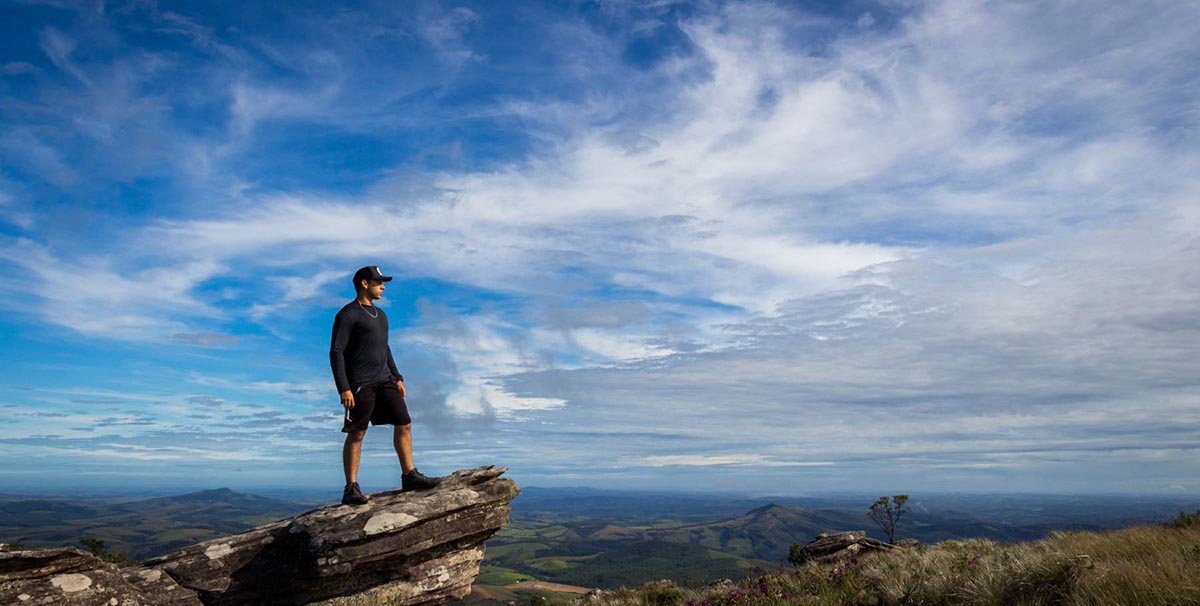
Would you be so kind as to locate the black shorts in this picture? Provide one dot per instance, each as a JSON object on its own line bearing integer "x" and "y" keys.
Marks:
{"x": 378, "y": 403}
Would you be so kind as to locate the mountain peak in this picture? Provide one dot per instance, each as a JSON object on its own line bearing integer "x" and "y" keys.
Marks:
{"x": 213, "y": 495}
{"x": 771, "y": 508}
{"x": 217, "y": 492}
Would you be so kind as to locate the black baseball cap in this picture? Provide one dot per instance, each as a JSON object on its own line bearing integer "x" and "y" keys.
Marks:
{"x": 370, "y": 272}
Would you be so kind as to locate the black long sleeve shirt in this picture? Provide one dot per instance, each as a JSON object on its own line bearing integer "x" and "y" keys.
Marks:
{"x": 358, "y": 352}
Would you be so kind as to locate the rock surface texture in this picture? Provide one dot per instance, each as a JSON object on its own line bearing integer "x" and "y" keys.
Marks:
{"x": 401, "y": 549}
{"x": 72, "y": 577}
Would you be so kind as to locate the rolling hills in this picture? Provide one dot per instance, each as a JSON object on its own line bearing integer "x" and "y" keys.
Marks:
{"x": 142, "y": 528}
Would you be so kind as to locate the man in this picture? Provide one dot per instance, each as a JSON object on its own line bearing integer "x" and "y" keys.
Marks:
{"x": 371, "y": 388}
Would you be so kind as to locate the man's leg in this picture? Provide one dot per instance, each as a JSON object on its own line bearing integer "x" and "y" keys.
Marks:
{"x": 402, "y": 440}
{"x": 397, "y": 415}
{"x": 351, "y": 453}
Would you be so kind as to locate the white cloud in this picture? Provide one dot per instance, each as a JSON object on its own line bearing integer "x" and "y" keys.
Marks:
{"x": 707, "y": 460}
{"x": 12, "y": 210}
{"x": 98, "y": 296}
{"x": 296, "y": 290}
{"x": 254, "y": 104}
{"x": 969, "y": 237}
{"x": 58, "y": 47}
{"x": 617, "y": 347}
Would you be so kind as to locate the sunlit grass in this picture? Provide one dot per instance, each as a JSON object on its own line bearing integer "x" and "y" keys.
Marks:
{"x": 1135, "y": 566}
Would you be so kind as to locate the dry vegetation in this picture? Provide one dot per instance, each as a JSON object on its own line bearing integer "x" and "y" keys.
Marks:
{"x": 1135, "y": 566}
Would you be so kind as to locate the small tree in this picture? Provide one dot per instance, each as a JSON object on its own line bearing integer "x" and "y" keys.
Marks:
{"x": 96, "y": 546}
{"x": 887, "y": 513}
{"x": 98, "y": 549}
{"x": 797, "y": 556}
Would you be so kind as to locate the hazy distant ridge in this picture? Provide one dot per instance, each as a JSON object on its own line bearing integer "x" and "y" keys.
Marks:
{"x": 142, "y": 528}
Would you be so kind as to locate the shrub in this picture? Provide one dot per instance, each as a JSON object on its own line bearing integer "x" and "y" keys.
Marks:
{"x": 1185, "y": 520}
{"x": 797, "y": 556}
{"x": 662, "y": 595}
{"x": 96, "y": 546}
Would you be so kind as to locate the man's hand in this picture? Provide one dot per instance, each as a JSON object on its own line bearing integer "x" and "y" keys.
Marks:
{"x": 348, "y": 399}
{"x": 400, "y": 386}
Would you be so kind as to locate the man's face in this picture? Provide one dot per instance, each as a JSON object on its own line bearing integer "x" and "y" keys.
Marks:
{"x": 374, "y": 289}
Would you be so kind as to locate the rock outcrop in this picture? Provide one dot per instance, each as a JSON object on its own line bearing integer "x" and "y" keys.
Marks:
{"x": 850, "y": 543}
{"x": 72, "y": 577}
{"x": 401, "y": 549}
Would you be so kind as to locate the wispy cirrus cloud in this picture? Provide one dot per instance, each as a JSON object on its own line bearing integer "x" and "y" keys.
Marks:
{"x": 959, "y": 235}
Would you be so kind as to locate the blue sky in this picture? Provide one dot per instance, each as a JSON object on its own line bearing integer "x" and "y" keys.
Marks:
{"x": 742, "y": 246}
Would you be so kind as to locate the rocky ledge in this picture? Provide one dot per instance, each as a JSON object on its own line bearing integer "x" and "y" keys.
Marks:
{"x": 72, "y": 577}
{"x": 401, "y": 549}
{"x": 849, "y": 543}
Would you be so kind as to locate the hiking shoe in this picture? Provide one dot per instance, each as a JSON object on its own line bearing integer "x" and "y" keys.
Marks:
{"x": 353, "y": 495}
{"x": 415, "y": 480}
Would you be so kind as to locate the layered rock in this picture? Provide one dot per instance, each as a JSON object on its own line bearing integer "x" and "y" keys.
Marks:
{"x": 71, "y": 577}
{"x": 850, "y": 543}
{"x": 401, "y": 549}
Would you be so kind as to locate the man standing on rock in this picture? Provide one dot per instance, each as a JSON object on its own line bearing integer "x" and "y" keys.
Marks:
{"x": 371, "y": 388}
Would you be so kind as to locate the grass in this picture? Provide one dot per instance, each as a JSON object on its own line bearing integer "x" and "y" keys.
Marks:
{"x": 740, "y": 545}
{"x": 1136, "y": 566}
{"x": 524, "y": 551}
{"x": 510, "y": 532}
{"x": 521, "y": 597}
{"x": 549, "y": 564}
{"x": 495, "y": 575}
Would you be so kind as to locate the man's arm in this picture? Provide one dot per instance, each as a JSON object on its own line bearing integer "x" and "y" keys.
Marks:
{"x": 396, "y": 373}
{"x": 337, "y": 348}
{"x": 392, "y": 365}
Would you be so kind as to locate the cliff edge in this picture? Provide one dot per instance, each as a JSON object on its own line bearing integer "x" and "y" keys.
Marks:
{"x": 401, "y": 549}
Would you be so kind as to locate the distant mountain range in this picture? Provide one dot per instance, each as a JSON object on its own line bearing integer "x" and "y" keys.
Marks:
{"x": 142, "y": 528}
{"x": 595, "y": 538}
{"x": 602, "y": 553}
{"x": 1044, "y": 512}
{"x": 599, "y": 538}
